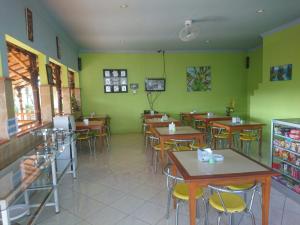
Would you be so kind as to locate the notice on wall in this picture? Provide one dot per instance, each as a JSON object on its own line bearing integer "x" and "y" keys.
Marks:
{"x": 12, "y": 126}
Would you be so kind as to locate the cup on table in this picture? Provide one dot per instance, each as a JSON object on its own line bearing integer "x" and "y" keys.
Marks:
{"x": 86, "y": 121}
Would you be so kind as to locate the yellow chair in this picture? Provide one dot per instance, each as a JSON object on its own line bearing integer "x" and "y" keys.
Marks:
{"x": 246, "y": 138}
{"x": 183, "y": 145}
{"x": 180, "y": 193}
{"x": 218, "y": 135}
{"x": 100, "y": 133}
{"x": 195, "y": 147}
{"x": 155, "y": 145}
{"x": 83, "y": 135}
{"x": 229, "y": 202}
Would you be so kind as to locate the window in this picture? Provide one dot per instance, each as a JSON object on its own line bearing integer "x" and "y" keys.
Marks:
{"x": 57, "y": 92}
{"x": 23, "y": 72}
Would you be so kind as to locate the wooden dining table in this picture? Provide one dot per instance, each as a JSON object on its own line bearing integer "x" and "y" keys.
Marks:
{"x": 158, "y": 122}
{"x": 187, "y": 117}
{"x": 208, "y": 119}
{"x": 235, "y": 169}
{"x": 246, "y": 125}
{"x": 181, "y": 133}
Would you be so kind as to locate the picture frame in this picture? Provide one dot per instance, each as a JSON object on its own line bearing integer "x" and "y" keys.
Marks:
{"x": 115, "y": 81}
{"x": 155, "y": 84}
{"x": 281, "y": 72}
{"x": 49, "y": 74}
{"x": 29, "y": 24}
{"x": 58, "y": 53}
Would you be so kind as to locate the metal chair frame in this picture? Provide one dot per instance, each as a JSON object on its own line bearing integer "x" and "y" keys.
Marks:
{"x": 172, "y": 180}
{"x": 247, "y": 210}
{"x": 86, "y": 137}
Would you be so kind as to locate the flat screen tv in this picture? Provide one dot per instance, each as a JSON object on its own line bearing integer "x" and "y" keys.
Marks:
{"x": 155, "y": 84}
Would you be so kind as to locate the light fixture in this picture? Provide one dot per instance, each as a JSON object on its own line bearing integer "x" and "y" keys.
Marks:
{"x": 260, "y": 10}
{"x": 123, "y": 6}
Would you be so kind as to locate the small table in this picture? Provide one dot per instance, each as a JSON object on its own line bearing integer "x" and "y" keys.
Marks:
{"x": 100, "y": 117}
{"x": 150, "y": 116}
{"x": 157, "y": 122}
{"x": 235, "y": 169}
{"x": 208, "y": 119}
{"x": 188, "y": 116}
{"x": 247, "y": 125}
{"x": 183, "y": 133}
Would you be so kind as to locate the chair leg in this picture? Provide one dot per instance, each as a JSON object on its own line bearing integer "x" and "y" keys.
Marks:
{"x": 90, "y": 146}
{"x": 107, "y": 143}
{"x": 252, "y": 217}
{"x": 155, "y": 161}
{"x": 168, "y": 204}
{"x": 219, "y": 218}
{"x": 177, "y": 212}
{"x": 230, "y": 219}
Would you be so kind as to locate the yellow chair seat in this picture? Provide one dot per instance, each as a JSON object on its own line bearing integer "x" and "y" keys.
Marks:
{"x": 183, "y": 148}
{"x": 221, "y": 136}
{"x": 170, "y": 142}
{"x": 181, "y": 191}
{"x": 233, "y": 203}
{"x": 247, "y": 138}
{"x": 196, "y": 146}
{"x": 238, "y": 187}
{"x": 166, "y": 147}
{"x": 148, "y": 132}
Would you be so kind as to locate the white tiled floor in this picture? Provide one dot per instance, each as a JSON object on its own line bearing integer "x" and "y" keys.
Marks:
{"x": 120, "y": 188}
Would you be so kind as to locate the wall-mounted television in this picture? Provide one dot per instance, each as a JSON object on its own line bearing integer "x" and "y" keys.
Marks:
{"x": 155, "y": 84}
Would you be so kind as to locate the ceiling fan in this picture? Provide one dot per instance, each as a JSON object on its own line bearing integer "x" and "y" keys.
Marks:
{"x": 189, "y": 32}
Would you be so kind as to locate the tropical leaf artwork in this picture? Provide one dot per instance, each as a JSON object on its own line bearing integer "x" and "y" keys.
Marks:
{"x": 198, "y": 78}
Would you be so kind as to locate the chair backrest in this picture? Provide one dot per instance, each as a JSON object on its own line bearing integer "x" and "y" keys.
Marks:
{"x": 183, "y": 143}
{"x": 171, "y": 179}
{"x": 220, "y": 190}
{"x": 153, "y": 140}
{"x": 83, "y": 133}
{"x": 216, "y": 130}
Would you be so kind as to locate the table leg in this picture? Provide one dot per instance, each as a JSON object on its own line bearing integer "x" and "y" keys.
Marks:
{"x": 162, "y": 155}
{"x": 230, "y": 139}
{"x": 260, "y": 141}
{"x": 266, "y": 189}
{"x": 192, "y": 203}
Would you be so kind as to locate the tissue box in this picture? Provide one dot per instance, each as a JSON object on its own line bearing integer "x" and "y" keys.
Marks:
{"x": 203, "y": 155}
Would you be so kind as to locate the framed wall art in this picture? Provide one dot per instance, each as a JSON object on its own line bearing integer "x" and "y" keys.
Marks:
{"x": 280, "y": 73}
{"x": 115, "y": 81}
{"x": 29, "y": 24}
{"x": 198, "y": 78}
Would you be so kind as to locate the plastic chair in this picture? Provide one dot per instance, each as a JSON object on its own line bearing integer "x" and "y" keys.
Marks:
{"x": 218, "y": 135}
{"x": 83, "y": 135}
{"x": 180, "y": 192}
{"x": 228, "y": 202}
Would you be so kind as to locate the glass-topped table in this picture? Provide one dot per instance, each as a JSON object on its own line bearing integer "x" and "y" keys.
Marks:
{"x": 27, "y": 184}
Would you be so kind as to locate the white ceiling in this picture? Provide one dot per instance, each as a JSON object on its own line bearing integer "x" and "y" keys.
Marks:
{"x": 148, "y": 25}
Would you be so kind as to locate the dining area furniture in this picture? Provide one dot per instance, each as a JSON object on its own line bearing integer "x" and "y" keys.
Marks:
{"x": 208, "y": 119}
{"x": 236, "y": 168}
{"x": 159, "y": 122}
{"x": 231, "y": 127}
{"x": 187, "y": 117}
{"x": 181, "y": 133}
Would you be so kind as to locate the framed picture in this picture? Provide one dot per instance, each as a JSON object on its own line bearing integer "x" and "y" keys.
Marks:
{"x": 29, "y": 24}
{"x": 49, "y": 74}
{"x": 155, "y": 84}
{"x": 115, "y": 81}
{"x": 281, "y": 73}
{"x": 198, "y": 78}
{"x": 58, "y": 53}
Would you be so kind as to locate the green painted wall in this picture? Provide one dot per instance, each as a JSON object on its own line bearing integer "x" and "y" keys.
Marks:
{"x": 278, "y": 99}
{"x": 228, "y": 81}
{"x": 254, "y": 74}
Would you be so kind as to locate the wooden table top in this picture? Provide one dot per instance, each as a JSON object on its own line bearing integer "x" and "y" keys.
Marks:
{"x": 164, "y": 131}
{"x": 90, "y": 125}
{"x": 212, "y": 117}
{"x": 158, "y": 120}
{"x": 234, "y": 165}
{"x": 245, "y": 123}
{"x": 193, "y": 113}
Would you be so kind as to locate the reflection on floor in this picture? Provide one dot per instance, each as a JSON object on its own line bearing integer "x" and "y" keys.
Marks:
{"x": 120, "y": 188}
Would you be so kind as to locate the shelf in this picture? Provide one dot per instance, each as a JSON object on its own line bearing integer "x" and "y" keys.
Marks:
{"x": 285, "y": 149}
{"x": 287, "y": 162}
{"x": 287, "y": 138}
{"x": 287, "y": 175}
